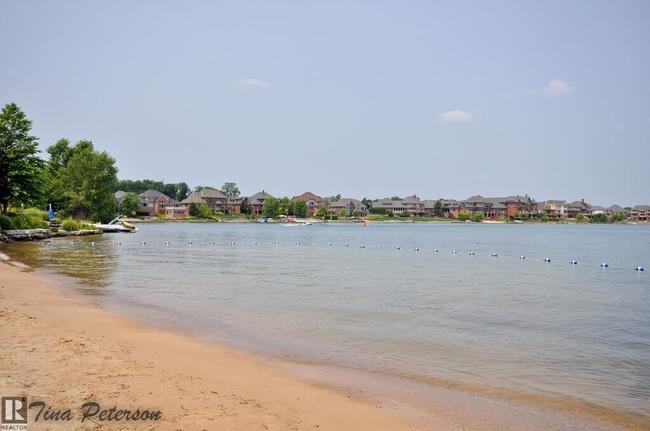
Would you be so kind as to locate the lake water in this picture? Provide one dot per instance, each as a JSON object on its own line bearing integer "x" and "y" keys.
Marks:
{"x": 567, "y": 331}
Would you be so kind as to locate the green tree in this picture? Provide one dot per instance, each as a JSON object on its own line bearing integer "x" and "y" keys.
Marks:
{"x": 580, "y": 218}
{"x": 85, "y": 184}
{"x": 270, "y": 207}
{"x": 299, "y": 208}
{"x": 21, "y": 171}
{"x": 322, "y": 211}
{"x": 437, "y": 208}
{"x": 245, "y": 206}
{"x": 477, "y": 217}
{"x": 230, "y": 189}
{"x": 463, "y": 216}
{"x": 182, "y": 191}
{"x": 367, "y": 202}
{"x": 284, "y": 206}
{"x": 200, "y": 211}
{"x": 599, "y": 218}
{"x": 129, "y": 203}
{"x": 343, "y": 212}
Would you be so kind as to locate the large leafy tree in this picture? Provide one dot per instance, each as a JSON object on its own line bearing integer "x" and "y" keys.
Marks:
{"x": 299, "y": 208}
{"x": 270, "y": 207}
{"x": 230, "y": 189}
{"x": 245, "y": 206}
{"x": 20, "y": 168}
{"x": 84, "y": 184}
{"x": 129, "y": 203}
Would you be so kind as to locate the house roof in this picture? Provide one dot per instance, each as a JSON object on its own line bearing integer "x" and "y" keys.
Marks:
{"x": 211, "y": 193}
{"x": 615, "y": 208}
{"x": 119, "y": 194}
{"x": 308, "y": 196}
{"x": 344, "y": 202}
{"x": 259, "y": 197}
{"x": 194, "y": 198}
{"x": 411, "y": 200}
{"x": 151, "y": 193}
{"x": 641, "y": 207}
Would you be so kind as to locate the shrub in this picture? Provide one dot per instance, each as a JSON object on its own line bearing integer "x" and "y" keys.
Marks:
{"x": 87, "y": 226}
{"x": 23, "y": 221}
{"x": 5, "y": 222}
{"x": 377, "y": 210}
{"x": 477, "y": 217}
{"x": 463, "y": 216}
{"x": 70, "y": 225}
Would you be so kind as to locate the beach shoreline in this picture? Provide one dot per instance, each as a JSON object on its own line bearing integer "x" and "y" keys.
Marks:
{"x": 65, "y": 352}
{"x": 244, "y": 392}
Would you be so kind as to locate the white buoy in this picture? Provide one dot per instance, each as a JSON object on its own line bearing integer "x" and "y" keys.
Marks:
{"x": 189, "y": 242}
{"x": 471, "y": 253}
{"x": 436, "y": 251}
{"x": 453, "y": 251}
{"x": 277, "y": 243}
{"x": 211, "y": 242}
{"x": 347, "y": 245}
{"x": 119, "y": 243}
{"x": 639, "y": 268}
{"x": 166, "y": 242}
{"x": 297, "y": 242}
{"x": 71, "y": 242}
{"x": 604, "y": 265}
{"x": 397, "y": 248}
{"x": 363, "y": 246}
{"x": 494, "y": 255}
{"x": 574, "y": 262}
{"x": 417, "y": 248}
{"x": 255, "y": 243}
{"x": 329, "y": 243}
{"x": 92, "y": 244}
{"x": 380, "y": 247}
{"x": 547, "y": 259}
{"x": 232, "y": 242}
{"x": 522, "y": 257}
{"x": 143, "y": 243}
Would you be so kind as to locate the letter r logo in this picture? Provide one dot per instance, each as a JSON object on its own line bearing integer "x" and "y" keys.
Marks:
{"x": 14, "y": 410}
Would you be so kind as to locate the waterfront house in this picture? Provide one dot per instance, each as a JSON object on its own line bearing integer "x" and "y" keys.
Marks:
{"x": 313, "y": 201}
{"x": 176, "y": 210}
{"x": 578, "y": 207}
{"x": 554, "y": 209}
{"x": 390, "y": 206}
{"x": 233, "y": 204}
{"x": 348, "y": 206}
{"x": 215, "y": 200}
{"x": 617, "y": 209}
{"x": 640, "y": 213}
{"x": 257, "y": 202}
{"x": 153, "y": 202}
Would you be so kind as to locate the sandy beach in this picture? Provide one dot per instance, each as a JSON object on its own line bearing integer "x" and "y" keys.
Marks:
{"x": 65, "y": 352}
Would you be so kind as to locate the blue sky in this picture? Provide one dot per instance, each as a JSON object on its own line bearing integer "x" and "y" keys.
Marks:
{"x": 438, "y": 98}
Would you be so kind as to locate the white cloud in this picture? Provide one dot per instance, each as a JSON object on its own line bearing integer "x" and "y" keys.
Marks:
{"x": 253, "y": 82}
{"x": 456, "y": 116}
{"x": 557, "y": 87}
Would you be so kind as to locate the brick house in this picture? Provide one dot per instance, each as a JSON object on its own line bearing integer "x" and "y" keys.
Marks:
{"x": 153, "y": 202}
{"x": 257, "y": 202}
{"x": 176, "y": 210}
{"x": 349, "y": 206}
{"x": 640, "y": 213}
{"x": 313, "y": 201}
{"x": 215, "y": 200}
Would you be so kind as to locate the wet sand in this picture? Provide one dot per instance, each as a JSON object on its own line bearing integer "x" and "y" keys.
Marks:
{"x": 65, "y": 352}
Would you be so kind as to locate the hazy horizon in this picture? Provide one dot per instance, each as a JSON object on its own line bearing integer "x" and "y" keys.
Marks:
{"x": 365, "y": 99}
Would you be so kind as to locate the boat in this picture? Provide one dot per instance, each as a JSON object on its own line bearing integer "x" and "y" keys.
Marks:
{"x": 116, "y": 225}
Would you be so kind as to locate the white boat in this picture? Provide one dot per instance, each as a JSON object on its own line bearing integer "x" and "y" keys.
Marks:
{"x": 116, "y": 225}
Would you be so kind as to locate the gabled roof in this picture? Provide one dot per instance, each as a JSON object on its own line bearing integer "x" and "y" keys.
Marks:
{"x": 411, "y": 200}
{"x": 641, "y": 207}
{"x": 119, "y": 194}
{"x": 615, "y": 208}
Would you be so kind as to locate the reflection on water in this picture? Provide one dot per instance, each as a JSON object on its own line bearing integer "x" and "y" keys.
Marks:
{"x": 89, "y": 259}
{"x": 577, "y": 331}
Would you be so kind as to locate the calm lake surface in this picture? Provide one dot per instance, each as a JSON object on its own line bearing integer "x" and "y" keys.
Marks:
{"x": 562, "y": 330}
